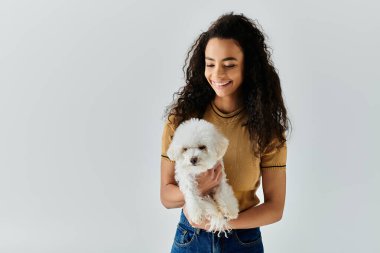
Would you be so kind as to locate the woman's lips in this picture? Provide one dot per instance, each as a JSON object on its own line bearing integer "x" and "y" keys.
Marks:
{"x": 221, "y": 84}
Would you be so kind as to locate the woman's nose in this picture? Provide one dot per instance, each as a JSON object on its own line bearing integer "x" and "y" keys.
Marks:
{"x": 219, "y": 71}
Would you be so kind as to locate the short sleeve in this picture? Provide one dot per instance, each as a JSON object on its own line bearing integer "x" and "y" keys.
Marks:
{"x": 167, "y": 136}
{"x": 274, "y": 156}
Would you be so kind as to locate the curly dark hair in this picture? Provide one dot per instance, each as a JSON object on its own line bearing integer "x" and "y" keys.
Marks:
{"x": 262, "y": 94}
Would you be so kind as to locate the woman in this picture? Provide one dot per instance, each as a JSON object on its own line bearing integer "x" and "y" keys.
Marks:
{"x": 232, "y": 83}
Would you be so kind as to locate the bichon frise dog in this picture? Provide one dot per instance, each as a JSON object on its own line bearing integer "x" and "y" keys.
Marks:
{"x": 196, "y": 147}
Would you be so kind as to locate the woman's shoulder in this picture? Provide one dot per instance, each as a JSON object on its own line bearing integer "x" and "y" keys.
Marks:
{"x": 170, "y": 121}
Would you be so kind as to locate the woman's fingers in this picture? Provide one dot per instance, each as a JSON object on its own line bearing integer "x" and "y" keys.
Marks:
{"x": 217, "y": 165}
{"x": 219, "y": 174}
{"x": 214, "y": 175}
{"x": 212, "y": 172}
{"x": 209, "y": 179}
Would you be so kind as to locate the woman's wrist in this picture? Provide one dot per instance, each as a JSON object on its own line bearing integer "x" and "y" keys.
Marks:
{"x": 233, "y": 224}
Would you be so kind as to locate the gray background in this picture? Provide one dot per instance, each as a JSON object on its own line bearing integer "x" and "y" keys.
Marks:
{"x": 83, "y": 86}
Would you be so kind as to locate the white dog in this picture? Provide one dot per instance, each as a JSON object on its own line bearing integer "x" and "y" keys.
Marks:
{"x": 196, "y": 147}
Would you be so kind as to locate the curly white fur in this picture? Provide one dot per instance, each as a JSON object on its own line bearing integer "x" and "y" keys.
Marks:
{"x": 196, "y": 147}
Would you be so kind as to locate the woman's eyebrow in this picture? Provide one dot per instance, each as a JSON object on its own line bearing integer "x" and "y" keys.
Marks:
{"x": 225, "y": 59}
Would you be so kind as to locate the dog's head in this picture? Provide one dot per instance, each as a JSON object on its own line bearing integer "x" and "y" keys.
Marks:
{"x": 197, "y": 142}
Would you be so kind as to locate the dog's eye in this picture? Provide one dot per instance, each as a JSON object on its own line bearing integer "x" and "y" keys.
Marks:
{"x": 202, "y": 147}
{"x": 184, "y": 149}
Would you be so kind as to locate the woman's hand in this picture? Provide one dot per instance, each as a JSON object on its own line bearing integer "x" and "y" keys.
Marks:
{"x": 209, "y": 179}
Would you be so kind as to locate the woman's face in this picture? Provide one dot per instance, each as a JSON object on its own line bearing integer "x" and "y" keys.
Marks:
{"x": 224, "y": 67}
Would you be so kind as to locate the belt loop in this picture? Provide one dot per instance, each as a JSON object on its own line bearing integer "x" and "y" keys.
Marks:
{"x": 197, "y": 230}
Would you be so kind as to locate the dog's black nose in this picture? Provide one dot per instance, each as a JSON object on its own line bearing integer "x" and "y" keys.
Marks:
{"x": 193, "y": 160}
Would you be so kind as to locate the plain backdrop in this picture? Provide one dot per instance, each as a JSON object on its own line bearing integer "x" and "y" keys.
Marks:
{"x": 83, "y": 88}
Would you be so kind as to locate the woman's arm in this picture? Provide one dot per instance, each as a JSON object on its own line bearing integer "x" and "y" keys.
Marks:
{"x": 171, "y": 196}
{"x": 274, "y": 188}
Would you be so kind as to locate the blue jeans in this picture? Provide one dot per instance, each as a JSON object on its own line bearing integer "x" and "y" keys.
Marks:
{"x": 190, "y": 239}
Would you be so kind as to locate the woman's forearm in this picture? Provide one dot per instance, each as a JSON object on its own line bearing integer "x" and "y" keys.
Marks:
{"x": 171, "y": 196}
{"x": 257, "y": 216}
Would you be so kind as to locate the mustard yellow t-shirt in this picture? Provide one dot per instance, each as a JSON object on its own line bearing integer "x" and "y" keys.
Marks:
{"x": 243, "y": 169}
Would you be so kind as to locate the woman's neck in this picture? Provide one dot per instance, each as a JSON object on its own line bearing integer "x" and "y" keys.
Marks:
{"x": 227, "y": 105}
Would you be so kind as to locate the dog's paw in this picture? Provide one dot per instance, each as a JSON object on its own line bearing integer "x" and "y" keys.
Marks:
{"x": 232, "y": 212}
{"x": 217, "y": 223}
{"x": 196, "y": 217}
{"x": 195, "y": 212}
{"x": 197, "y": 220}
{"x": 230, "y": 216}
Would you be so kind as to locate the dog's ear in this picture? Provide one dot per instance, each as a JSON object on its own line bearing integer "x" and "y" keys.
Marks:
{"x": 174, "y": 151}
{"x": 221, "y": 146}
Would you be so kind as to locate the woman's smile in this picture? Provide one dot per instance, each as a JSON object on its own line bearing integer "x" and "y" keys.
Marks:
{"x": 221, "y": 83}
{"x": 221, "y": 86}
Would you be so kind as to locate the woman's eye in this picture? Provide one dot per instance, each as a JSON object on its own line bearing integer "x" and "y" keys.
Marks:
{"x": 184, "y": 149}
{"x": 228, "y": 66}
{"x": 202, "y": 147}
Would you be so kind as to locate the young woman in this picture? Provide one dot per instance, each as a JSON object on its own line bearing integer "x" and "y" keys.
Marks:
{"x": 232, "y": 83}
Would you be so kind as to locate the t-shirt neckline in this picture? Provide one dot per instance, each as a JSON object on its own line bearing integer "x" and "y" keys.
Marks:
{"x": 226, "y": 115}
